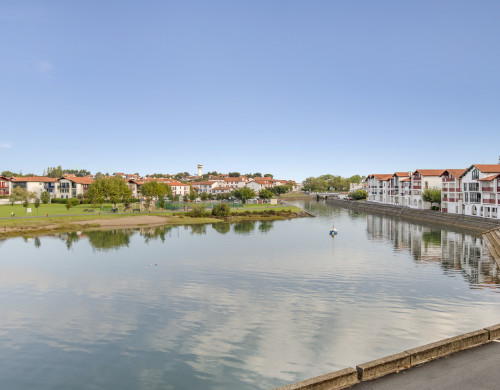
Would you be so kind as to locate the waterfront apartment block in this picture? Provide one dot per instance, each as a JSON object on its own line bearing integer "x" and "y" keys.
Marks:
{"x": 474, "y": 191}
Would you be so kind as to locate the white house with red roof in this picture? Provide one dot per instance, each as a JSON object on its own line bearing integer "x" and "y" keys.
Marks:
{"x": 207, "y": 186}
{"x": 222, "y": 190}
{"x": 481, "y": 190}
{"x": 378, "y": 187}
{"x": 451, "y": 191}
{"x": 235, "y": 182}
{"x": 422, "y": 179}
{"x": 394, "y": 194}
{"x": 36, "y": 184}
{"x": 5, "y": 186}
{"x": 71, "y": 186}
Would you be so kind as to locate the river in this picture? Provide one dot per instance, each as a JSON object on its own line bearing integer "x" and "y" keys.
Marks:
{"x": 244, "y": 306}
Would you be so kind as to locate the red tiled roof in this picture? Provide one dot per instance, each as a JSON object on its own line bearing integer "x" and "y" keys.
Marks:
{"x": 488, "y": 168}
{"x": 42, "y": 179}
{"x": 490, "y": 178}
{"x": 430, "y": 172}
{"x": 456, "y": 173}
{"x": 234, "y": 179}
{"x": 406, "y": 179}
{"x": 79, "y": 180}
{"x": 402, "y": 174}
{"x": 380, "y": 176}
{"x": 206, "y": 183}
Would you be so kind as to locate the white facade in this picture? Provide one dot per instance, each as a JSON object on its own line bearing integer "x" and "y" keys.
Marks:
{"x": 422, "y": 179}
{"x": 481, "y": 196}
{"x": 35, "y": 184}
{"x": 451, "y": 191}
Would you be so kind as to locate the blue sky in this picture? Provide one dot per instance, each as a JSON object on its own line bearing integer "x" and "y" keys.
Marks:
{"x": 294, "y": 88}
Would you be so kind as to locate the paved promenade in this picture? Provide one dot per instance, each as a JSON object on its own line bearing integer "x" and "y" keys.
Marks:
{"x": 477, "y": 368}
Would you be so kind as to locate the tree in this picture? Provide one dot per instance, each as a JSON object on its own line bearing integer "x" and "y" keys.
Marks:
{"x": 278, "y": 190}
{"x": 16, "y": 195}
{"x": 265, "y": 194}
{"x": 197, "y": 211}
{"x": 37, "y": 204}
{"x": 96, "y": 192}
{"x": 115, "y": 189}
{"x": 221, "y": 210}
{"x": 204, "y": 196}
{"x": 10, "y": 174}
{"x": 358, "y": 194}
{"x": 192, "y": 193}
{"x": 432, "y": 195}
{"x": 314, "y": 184}
{"x": 268, "y": 175}
{"x": 71, "y": 202}
{"x": 243, "y": 194}
{"x": 234, "y": 174}
{"x": 45, "y": 197}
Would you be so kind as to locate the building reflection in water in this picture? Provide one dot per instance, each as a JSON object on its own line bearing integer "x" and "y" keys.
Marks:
{"x": 456, "y": 252}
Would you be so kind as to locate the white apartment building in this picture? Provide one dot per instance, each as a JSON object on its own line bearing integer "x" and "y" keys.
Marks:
{"x": 378, "y": 187}
{"x": 451, "y": 191}
{"x": 394, "y": 196}
{"x": 36, "y": 184}
{"x": 72, "y": 186}
{"x": 481, "y": 190}
{"x": 422, "y": 179}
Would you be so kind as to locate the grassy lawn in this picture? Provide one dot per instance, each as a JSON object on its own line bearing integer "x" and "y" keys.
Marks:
{"x": 51, "y": 209}
{"x": 256, "y": 208}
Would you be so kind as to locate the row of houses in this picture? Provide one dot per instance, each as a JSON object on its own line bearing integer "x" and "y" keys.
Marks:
{"x": 228, "y": 184}
{"x": 471, "y": 191}
{"x": 71, "y": 186}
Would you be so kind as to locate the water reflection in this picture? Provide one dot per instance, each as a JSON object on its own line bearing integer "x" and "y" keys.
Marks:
{"x": 456, "y": 251}
{"x": 104, "y": 240}
{"x": 222, "y": 227}
{"x": 244, "y": 227}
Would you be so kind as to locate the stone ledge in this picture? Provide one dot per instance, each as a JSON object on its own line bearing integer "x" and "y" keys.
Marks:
{"x": 384, "y": 366}
{"x": 445, "y": 347}
{"x": 494, "y": 332}
{"x": 332, "y": 381}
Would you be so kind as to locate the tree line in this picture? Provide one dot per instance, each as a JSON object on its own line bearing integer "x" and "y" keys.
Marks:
{"x": 330, "y": 183}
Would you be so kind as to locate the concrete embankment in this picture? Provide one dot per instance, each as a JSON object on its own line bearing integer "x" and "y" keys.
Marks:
{"x": 398, "y": 362}
{"x": 492, "y": 240}
{"x": 473, "y": 224}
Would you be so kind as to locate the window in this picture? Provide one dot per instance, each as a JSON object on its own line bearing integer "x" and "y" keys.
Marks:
{"x": 475, "y": 197}
{"x": 475, "y": 174}
{"x": 473, "y": 186}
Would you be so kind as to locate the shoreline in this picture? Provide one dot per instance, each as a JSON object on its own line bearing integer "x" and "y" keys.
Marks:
{"x": 398, "y": 362}
{"x": 53, "y": 225}
{"x": 476, "y": 225}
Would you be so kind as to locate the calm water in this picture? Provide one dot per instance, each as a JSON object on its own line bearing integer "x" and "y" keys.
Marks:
{"x": 245, "y": 306}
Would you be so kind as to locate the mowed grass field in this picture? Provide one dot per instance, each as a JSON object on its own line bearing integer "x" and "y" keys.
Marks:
{"x": 51, "y": 209}
{"x": 56, "y": 209}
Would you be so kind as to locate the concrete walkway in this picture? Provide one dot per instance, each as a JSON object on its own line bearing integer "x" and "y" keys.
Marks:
{"x": 477, "y": 368}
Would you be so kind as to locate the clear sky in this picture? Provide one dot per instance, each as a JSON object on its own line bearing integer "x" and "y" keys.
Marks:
{"x": 294, "y": 88}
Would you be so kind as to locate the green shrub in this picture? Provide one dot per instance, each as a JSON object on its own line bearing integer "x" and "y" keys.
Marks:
{"x": 358, "y": 194}
{"x": 198, "y": 211}
{"x": 221, "y": 210}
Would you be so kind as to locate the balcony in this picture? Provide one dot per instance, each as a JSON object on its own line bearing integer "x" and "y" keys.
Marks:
{"x": 445, "y": 189}
{"x": 444, "y": 210}
{"x": 487, "y": 189}
{"x": 417, "y": 187}
{"x": 448, "y": 179}
{"x": 489, "y": 201}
